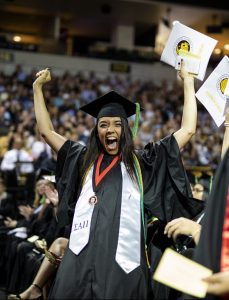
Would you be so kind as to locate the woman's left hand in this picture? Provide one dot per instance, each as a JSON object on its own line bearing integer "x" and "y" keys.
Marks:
{"x": 183, "y": 73}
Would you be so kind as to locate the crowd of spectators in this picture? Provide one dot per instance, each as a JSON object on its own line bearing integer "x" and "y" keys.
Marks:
{"x": 65, "y": 94}
{"x": 24, "y": 155}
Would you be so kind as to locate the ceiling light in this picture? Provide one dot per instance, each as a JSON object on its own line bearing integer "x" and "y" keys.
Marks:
{"x": 17, "y": 38}
{"x": 217, "y": 51}
{"x": 226, "y": 46}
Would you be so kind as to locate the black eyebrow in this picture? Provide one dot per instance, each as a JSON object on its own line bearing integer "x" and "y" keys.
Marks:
{"x": 104, "y": 121}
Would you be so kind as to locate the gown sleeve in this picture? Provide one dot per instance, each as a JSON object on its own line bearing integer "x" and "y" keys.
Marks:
{"x": 167, "y": 191}
{"x": 68, "y": 176}
{"x": 209, "y": 249}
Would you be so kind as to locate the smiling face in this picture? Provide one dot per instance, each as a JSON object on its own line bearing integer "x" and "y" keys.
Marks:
{"x": 109, "y": 133}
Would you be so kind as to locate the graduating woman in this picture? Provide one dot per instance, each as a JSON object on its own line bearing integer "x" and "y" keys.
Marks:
{"x": 110, "y": 191}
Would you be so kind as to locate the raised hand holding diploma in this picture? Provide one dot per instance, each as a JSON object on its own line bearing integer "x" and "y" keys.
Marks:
{"x": 194, "y": 47}
{"x": 213, "y": 93}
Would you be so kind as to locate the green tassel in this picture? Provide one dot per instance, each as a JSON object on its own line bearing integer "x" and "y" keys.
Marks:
{"x": 196, "y": 180}
{"x": 136, "y": 121}
{"x": 210, "y": 183}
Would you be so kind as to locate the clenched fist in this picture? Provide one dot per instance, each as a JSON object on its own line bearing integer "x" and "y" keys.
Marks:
{"x": 43, "y": 77}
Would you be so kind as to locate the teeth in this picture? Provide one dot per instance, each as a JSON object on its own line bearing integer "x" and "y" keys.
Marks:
{"x": 111, "y": 139}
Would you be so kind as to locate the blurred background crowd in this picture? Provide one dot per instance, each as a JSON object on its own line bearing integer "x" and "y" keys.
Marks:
{"x": 26, "y": 215}
{"x": 92, "y": 47}
{"x": 65, "y": 94}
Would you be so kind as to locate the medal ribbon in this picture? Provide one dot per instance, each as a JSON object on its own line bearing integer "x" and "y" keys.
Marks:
{"x": 100, "y": 176}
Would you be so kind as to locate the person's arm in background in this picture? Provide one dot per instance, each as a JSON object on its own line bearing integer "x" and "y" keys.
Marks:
{"x": 189, "y": 116}
{"x": 44, "y": 123}
{"x": 225, "y": 145}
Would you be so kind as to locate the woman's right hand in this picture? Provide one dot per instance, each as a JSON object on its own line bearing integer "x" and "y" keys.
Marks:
{"x": 43, "y": 77}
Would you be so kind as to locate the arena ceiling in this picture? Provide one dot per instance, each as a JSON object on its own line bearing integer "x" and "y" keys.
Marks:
{"x": 95, "y": 18}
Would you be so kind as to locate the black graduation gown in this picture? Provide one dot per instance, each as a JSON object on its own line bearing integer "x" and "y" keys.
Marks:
{"x": 8, "y": 208}
{"x": 208, "y": 251}
{"x": 94, "y": 273}
{"x": 21, "y": 256}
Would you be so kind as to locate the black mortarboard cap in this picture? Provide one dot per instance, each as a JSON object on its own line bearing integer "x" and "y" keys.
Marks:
{"x": 45, "y": 174}
{"x": 111, "y": 104}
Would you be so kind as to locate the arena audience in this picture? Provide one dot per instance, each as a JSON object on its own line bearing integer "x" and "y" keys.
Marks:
{"x": 163, "y": 104}
{"x": 67, "y": 93}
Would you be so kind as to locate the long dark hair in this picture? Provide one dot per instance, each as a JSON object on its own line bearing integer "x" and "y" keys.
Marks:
{"x": 126, "y": 148}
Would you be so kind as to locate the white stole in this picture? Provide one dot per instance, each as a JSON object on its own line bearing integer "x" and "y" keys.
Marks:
{"x": 128, "y": 248}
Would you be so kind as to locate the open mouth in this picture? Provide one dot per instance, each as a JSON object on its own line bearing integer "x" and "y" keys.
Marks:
{"x": 111, "y": 143}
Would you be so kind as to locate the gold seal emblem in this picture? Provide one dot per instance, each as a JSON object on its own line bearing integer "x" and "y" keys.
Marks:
{"x": 222, "y": 84}
{"x": 183, "y": 45}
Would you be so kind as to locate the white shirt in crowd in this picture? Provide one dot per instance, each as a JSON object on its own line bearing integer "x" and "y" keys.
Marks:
{"x": 12, "y": 156}
{"x": 38, "y": 147}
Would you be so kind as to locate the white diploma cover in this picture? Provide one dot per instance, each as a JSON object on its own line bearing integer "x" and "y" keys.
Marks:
{"x": 213, "y": 94}
{"x": 197, "y": 46}
{"x": 182, "y": 274}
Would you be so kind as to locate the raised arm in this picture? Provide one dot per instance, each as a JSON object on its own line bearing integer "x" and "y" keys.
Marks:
{"x": 225, "y": 145}
{"x": 44, "y": 123}
{"x": 189, "y": 117}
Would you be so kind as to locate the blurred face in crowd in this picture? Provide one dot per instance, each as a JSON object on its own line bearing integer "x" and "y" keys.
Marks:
{"x": 109, "y": 133}
{"x": 198, "y": 191}
{"x": 40, "y": 186}
{"x": 18, "y": 143}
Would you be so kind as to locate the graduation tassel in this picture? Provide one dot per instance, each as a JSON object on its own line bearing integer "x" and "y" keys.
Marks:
{"x": 196, "y": 179}
{"x": 136, "y": 121}
{"x": 210, "y": 183}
